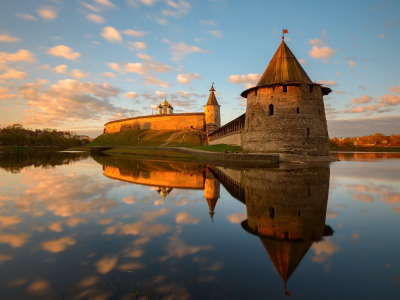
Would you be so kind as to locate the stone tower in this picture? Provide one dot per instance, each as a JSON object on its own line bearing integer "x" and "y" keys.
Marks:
{"x": 285, "y": 111}
{"x": 211, "y": 109}
{"x": 211, "y": 191}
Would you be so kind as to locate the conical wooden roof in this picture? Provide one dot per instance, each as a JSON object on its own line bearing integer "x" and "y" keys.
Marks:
{"x": 283, "y": 68}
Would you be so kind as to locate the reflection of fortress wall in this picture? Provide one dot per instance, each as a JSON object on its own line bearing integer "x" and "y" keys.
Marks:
{"x": 171, "y": 179}
{"x": 158, "y": 122}
{"x": 287, "y": 204}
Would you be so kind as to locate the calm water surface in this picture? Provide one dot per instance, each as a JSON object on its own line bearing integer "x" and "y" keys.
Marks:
{"x": 79, "y": 227}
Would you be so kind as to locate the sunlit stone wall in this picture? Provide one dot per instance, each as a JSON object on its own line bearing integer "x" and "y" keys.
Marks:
{"x": 158, "y": 122}
{"x": 296, "y": 125}
{"x": 234, "y": 139}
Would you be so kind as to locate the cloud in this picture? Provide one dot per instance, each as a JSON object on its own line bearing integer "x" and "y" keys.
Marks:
{"x": 339, "y": 92}
{"x": 64, "y": 51}
{"x": 132, "y": 96}
{"x": 131, "y": 266}
{"x": 338, "y": 73}
{"x": 323, "y": 250}
{"x": 61, "y": 69}
{"x": 137, "y": 45}
{"x": 302, "y": 61}
{"x": 216, "y": 33}
{"x": 111, "y": 34}
{"x": 352, "y": 63}
{"x": 70, "y": 100}
{"x": 156, "y": 81}
{"x": 20, "y": 55}
{"x": 148, "y": 66}
{"x": 134, "y": 33}
{"x": 327, "y": 82}
{"x": 322, "y": 53}
{"x": 95, "y": 18}
{"x": 208, "y": 22}
{"x": 161, "y": 95}
{"x": 395, "y": 89}
{"x": 185, "y": 218}
{"x": 359, "y": 126}
{"x": 187, "y": 78}
{"x": 363, "y": 99}
{"x": 180, "y": 50}
{"x": 143, "y": 56}
{"x": 180, "y": 8}
{"x": 330, "y": 111}
{"x": 357, "y": 109}
{"x": 246, "y": 79}
{"x": 107, "y": 3}
{"x": 382, "y": 36}
{"x": 79, "y": 74}
{"x": 317, "y": 42}
{"x": 109, "y": 74}
{"x": 56, "y": 246}
{"x": 4, "y": 94}
{"x": 324, "y": 35}
{"x": 13, "y": 74}
{"x": 5, "y": 38}
{"x": 91, "y": 7}
{"x": 48, "y": 13}
{"x": 388, "y": 100}
{"x": 147, "y": 2}
{"x": 106, "y": 264}
{"x": 26, "y": 17}
{"x": 236, "y": 217}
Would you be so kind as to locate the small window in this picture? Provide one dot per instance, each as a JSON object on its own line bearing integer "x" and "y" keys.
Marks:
{"x": 319, "y": 111}
{"x": 191, "y": 126}
{"x": 255, "y": 93}
{"x": 311, "y": 88}
{"x": 286, "y": 235}
{"x": 299, "y": 213}
{"x": 298, "y": 110}
{"x": 308, "y": 131}
{"x": 285, "y": 88}
{"x": 272, "y": 212}
{"x": 271, "y": 110}
{"x": 309, "y": 191}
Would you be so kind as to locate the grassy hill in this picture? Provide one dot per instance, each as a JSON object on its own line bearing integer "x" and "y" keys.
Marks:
{"x": 148, "y": 138}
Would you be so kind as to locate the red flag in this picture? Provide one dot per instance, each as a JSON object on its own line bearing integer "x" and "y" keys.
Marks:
{"x": 285, "y": 31}
{"x": 287, "y": 293}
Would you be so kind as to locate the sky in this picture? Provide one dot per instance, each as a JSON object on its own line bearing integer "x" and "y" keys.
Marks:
{"x": 75, "y": 65}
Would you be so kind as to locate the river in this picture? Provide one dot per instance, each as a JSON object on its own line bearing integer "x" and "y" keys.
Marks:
{"x": 75, "y": 226}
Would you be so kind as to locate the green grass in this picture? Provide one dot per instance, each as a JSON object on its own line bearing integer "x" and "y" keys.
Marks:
{"x": 147, "y": 138}
{"x": 29, "y": 149}
{"x": 218, "y": 148}
{"x": 148, "y": 152}
{"x": 366, "y": 149}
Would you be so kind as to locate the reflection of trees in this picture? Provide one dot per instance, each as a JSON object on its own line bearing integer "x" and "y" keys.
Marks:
{"x": 15, "y": 161}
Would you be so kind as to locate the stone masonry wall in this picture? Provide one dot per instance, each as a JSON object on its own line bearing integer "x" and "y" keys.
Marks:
{"x": 158, "y": 122}
{"x": 233, "y": 139}
{"x": 286, "y": 130}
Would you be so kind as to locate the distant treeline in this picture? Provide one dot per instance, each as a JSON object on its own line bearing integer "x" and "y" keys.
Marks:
{"x": 376, "y": 139}
{"x": 45, "y": 139}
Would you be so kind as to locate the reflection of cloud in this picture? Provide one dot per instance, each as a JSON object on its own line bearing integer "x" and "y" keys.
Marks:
{"x": 323, "y": 250}
{"x": 131, "y": 266}
{"x": 8, "y": 221}
{"x": 59, "y": 245}
{"x": 17, "y": 282}
{"x": 129, "y": 200}
{"x": 177, "y": 248}
{"x": 106, "y": 264}
{"x": 39, "y": 286}
{"x": 150, "y": 216}
{"x": 236, "y": 217}
{"x": 105, "y": 221}
{"x": 185, "y": 218}
{"x": 56, "y": 226}
{"x": 14, "y": 240}
{"x": 330, "y": 214}
{"x": 72, "y": 222}
{"x": 4, "y": 258}
{"x": 217, "y": 266}
{"x": 366, "y": 198}
{"x": 355, "y": 236}
{"x": 89, "y": 281}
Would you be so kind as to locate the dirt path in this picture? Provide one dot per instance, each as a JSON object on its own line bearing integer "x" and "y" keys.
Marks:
{"x": 170, "y": 138}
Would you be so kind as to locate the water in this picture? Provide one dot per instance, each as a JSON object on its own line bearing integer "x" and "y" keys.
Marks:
{"x": 79, "y": 227}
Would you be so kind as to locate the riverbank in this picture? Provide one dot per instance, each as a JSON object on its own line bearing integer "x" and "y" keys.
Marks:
{"x": 4, "y": 149}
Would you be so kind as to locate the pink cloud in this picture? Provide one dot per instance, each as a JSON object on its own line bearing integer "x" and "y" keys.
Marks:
{"x": 321, "y": 53}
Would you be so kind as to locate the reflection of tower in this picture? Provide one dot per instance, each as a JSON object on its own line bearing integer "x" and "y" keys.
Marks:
{"x": 164, "y": 191}
{"x": 286, "y": 209}
{"x": 211, "y": 191}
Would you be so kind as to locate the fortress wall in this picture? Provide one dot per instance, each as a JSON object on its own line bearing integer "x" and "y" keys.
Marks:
{"x": 158, "y": 122}
{"x": 234, "y": 139}
{"x": 286, "y": 130}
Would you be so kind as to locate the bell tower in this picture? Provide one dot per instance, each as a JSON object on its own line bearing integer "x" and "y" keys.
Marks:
{"x": 212, "y": 111}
